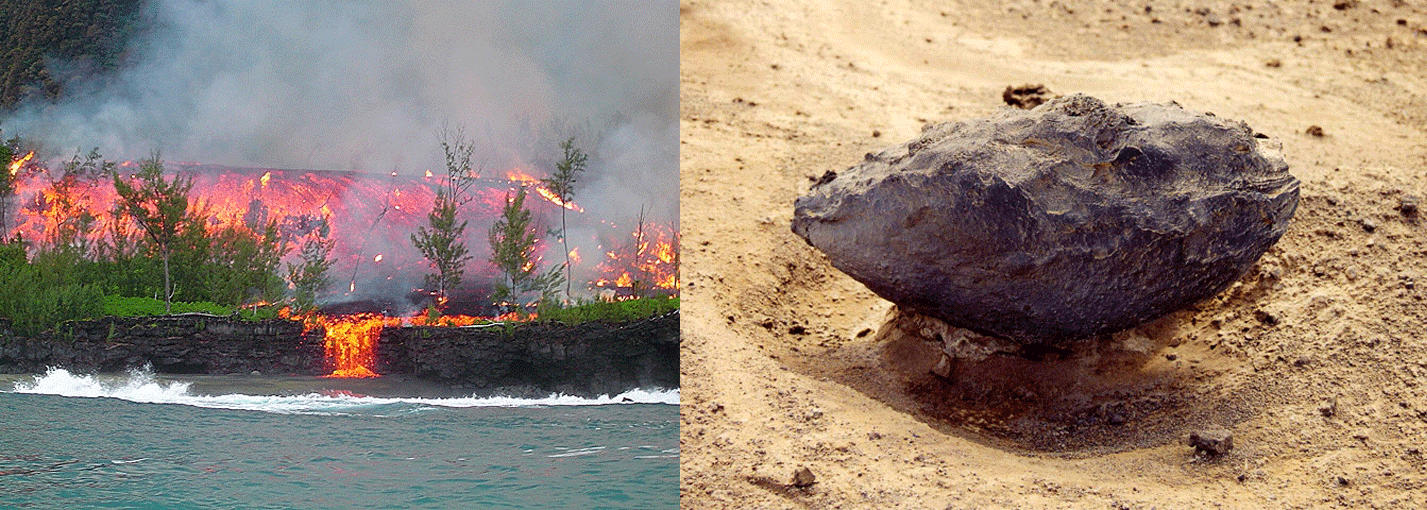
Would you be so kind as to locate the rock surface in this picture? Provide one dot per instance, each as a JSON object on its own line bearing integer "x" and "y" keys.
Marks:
{"x": 528, "y": 360}
{"x": 1046, "y": 226}
{"x": 585, "y": 359}
{"x": 1212, "y": 442}
{"x": 179, "y": 344}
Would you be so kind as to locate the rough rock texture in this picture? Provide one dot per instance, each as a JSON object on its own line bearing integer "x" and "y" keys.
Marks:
{"x": 1212, "y": 442}
{"x": 1044, "y": 226}
{"x": 585, "y": 359}
{"x": 183, "y": 344}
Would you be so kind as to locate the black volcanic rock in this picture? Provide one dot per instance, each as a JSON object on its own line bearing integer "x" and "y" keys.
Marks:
{"x": 1045, "y": 226}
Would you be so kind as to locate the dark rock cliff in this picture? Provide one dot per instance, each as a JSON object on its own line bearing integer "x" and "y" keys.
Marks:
{"x": 583, "y": 359}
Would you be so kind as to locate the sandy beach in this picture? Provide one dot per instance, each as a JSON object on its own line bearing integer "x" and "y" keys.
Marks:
{"x": 1315, "y": 361}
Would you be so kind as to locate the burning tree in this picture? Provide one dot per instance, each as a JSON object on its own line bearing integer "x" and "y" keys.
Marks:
{"x": 562, "y": 184}
{"x": 159, "y": 207}
{"x": 512, "y": 238}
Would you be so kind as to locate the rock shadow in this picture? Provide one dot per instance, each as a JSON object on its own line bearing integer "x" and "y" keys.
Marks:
{"x": 1138, "y": 388}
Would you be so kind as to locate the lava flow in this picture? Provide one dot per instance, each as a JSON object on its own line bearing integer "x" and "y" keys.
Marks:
{"x": 351, "y": 342}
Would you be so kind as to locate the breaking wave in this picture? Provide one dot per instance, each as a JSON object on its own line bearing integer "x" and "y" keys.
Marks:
{"x": 142, "y": 387}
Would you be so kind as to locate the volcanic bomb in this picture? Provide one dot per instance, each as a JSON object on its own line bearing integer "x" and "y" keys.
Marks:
{"x": 1064, "y": 222}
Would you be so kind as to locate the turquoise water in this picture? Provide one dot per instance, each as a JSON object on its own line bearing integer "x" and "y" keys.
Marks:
{"x": 135, "y": 442}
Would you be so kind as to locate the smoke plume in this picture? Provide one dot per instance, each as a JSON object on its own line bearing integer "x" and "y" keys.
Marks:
{"x": 367, "y": 86}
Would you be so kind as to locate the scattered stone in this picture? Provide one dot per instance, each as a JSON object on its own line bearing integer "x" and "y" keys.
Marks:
{"x": 715, "y": 407}
{"x": 256, "y": 372}
{"x": 876, "y": 134}
{"x": 803, "y": 478}
{"x": 1407, "y": 205}
{"x": 1056, "y": 224}
{"x": 1369, "y": 226}
{"x": 1342, "y": 482}
{"x": 1027, "y": 96}
{"x": 1212, "y": 442}
{"x": 1274, "y": 63}
{"x": 1329, "y": 408}
{"x": 1314, "y": 130}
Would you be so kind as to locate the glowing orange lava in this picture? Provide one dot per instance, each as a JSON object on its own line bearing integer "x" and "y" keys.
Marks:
{"x": 650, "y": 259}
{"x": 351, "y": 342}
{"x": 549, "y": 196}
{"x": 15, "y": 165}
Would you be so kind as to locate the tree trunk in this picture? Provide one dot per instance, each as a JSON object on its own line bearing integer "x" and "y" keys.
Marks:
{"x": 565, "y": 240}
{"x": 168, "y": 288}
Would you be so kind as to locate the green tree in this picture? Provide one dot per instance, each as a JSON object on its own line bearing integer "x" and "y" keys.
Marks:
{"x": 562, "y": 184}
{"x": 310, "y": 277}
{"x": 7, "y": 186}
{"x": 160, "y": 209}
{"x": 442, "y": 246}
{"x": 243, "y": 265}
{"x": 512, "y": 238}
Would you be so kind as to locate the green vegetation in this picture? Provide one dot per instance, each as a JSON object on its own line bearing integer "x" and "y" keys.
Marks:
{"x": 120, "y": 306}
{"x": 85, "y": 268}
{"x": 160, "y": 209}
{"x": 609, "y": 311}
{"x": 310, "y": 277}
{"x": 45, "y": 43}
{"x": 442, "y": 244}
{"x": 562, "y": 184}
{"x": 512, "y": 238}
{"x": 45, "y": 292}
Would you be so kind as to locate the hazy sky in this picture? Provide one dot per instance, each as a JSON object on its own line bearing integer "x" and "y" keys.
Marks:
{"x": 367, "y": 85}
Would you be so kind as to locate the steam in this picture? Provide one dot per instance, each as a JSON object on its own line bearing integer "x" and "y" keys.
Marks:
{"x": 366, "y": 87}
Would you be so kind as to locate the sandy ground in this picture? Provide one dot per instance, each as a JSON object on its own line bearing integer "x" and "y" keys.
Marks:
{"x": 1316, "y": 361}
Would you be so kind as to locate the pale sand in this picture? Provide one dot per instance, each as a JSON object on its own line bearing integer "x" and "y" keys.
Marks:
{"x": 775, "y": 93}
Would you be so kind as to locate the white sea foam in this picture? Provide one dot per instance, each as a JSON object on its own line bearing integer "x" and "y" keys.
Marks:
{"x": 142, "y": 387}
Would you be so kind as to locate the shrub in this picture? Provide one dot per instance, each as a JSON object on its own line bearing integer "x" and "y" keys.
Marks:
{"x": 609, "y": 311}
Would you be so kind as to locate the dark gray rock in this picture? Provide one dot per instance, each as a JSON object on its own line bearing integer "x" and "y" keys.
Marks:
{"x": 1067, "y": 221}
{"x": 803, "y": 478}
{"x": 533, "y": 359}
{"x": 584, "y": 359}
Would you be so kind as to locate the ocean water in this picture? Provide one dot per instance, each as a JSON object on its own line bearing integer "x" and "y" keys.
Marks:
{"x": 137, "y": 441}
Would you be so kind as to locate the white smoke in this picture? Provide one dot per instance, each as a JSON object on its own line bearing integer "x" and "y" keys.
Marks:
{"x": 367, "y": 86}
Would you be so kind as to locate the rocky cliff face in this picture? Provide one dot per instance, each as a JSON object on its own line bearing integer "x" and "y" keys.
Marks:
{"x": 584, "y": 359}
{"x": 181, "y": 344}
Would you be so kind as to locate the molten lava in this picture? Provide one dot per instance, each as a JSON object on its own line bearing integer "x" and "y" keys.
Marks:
{"x": 549, "y": 196}
{"x": 15, "y": 165}
{"x": 351, "y": 342}
{"x": 650, "y": 260}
